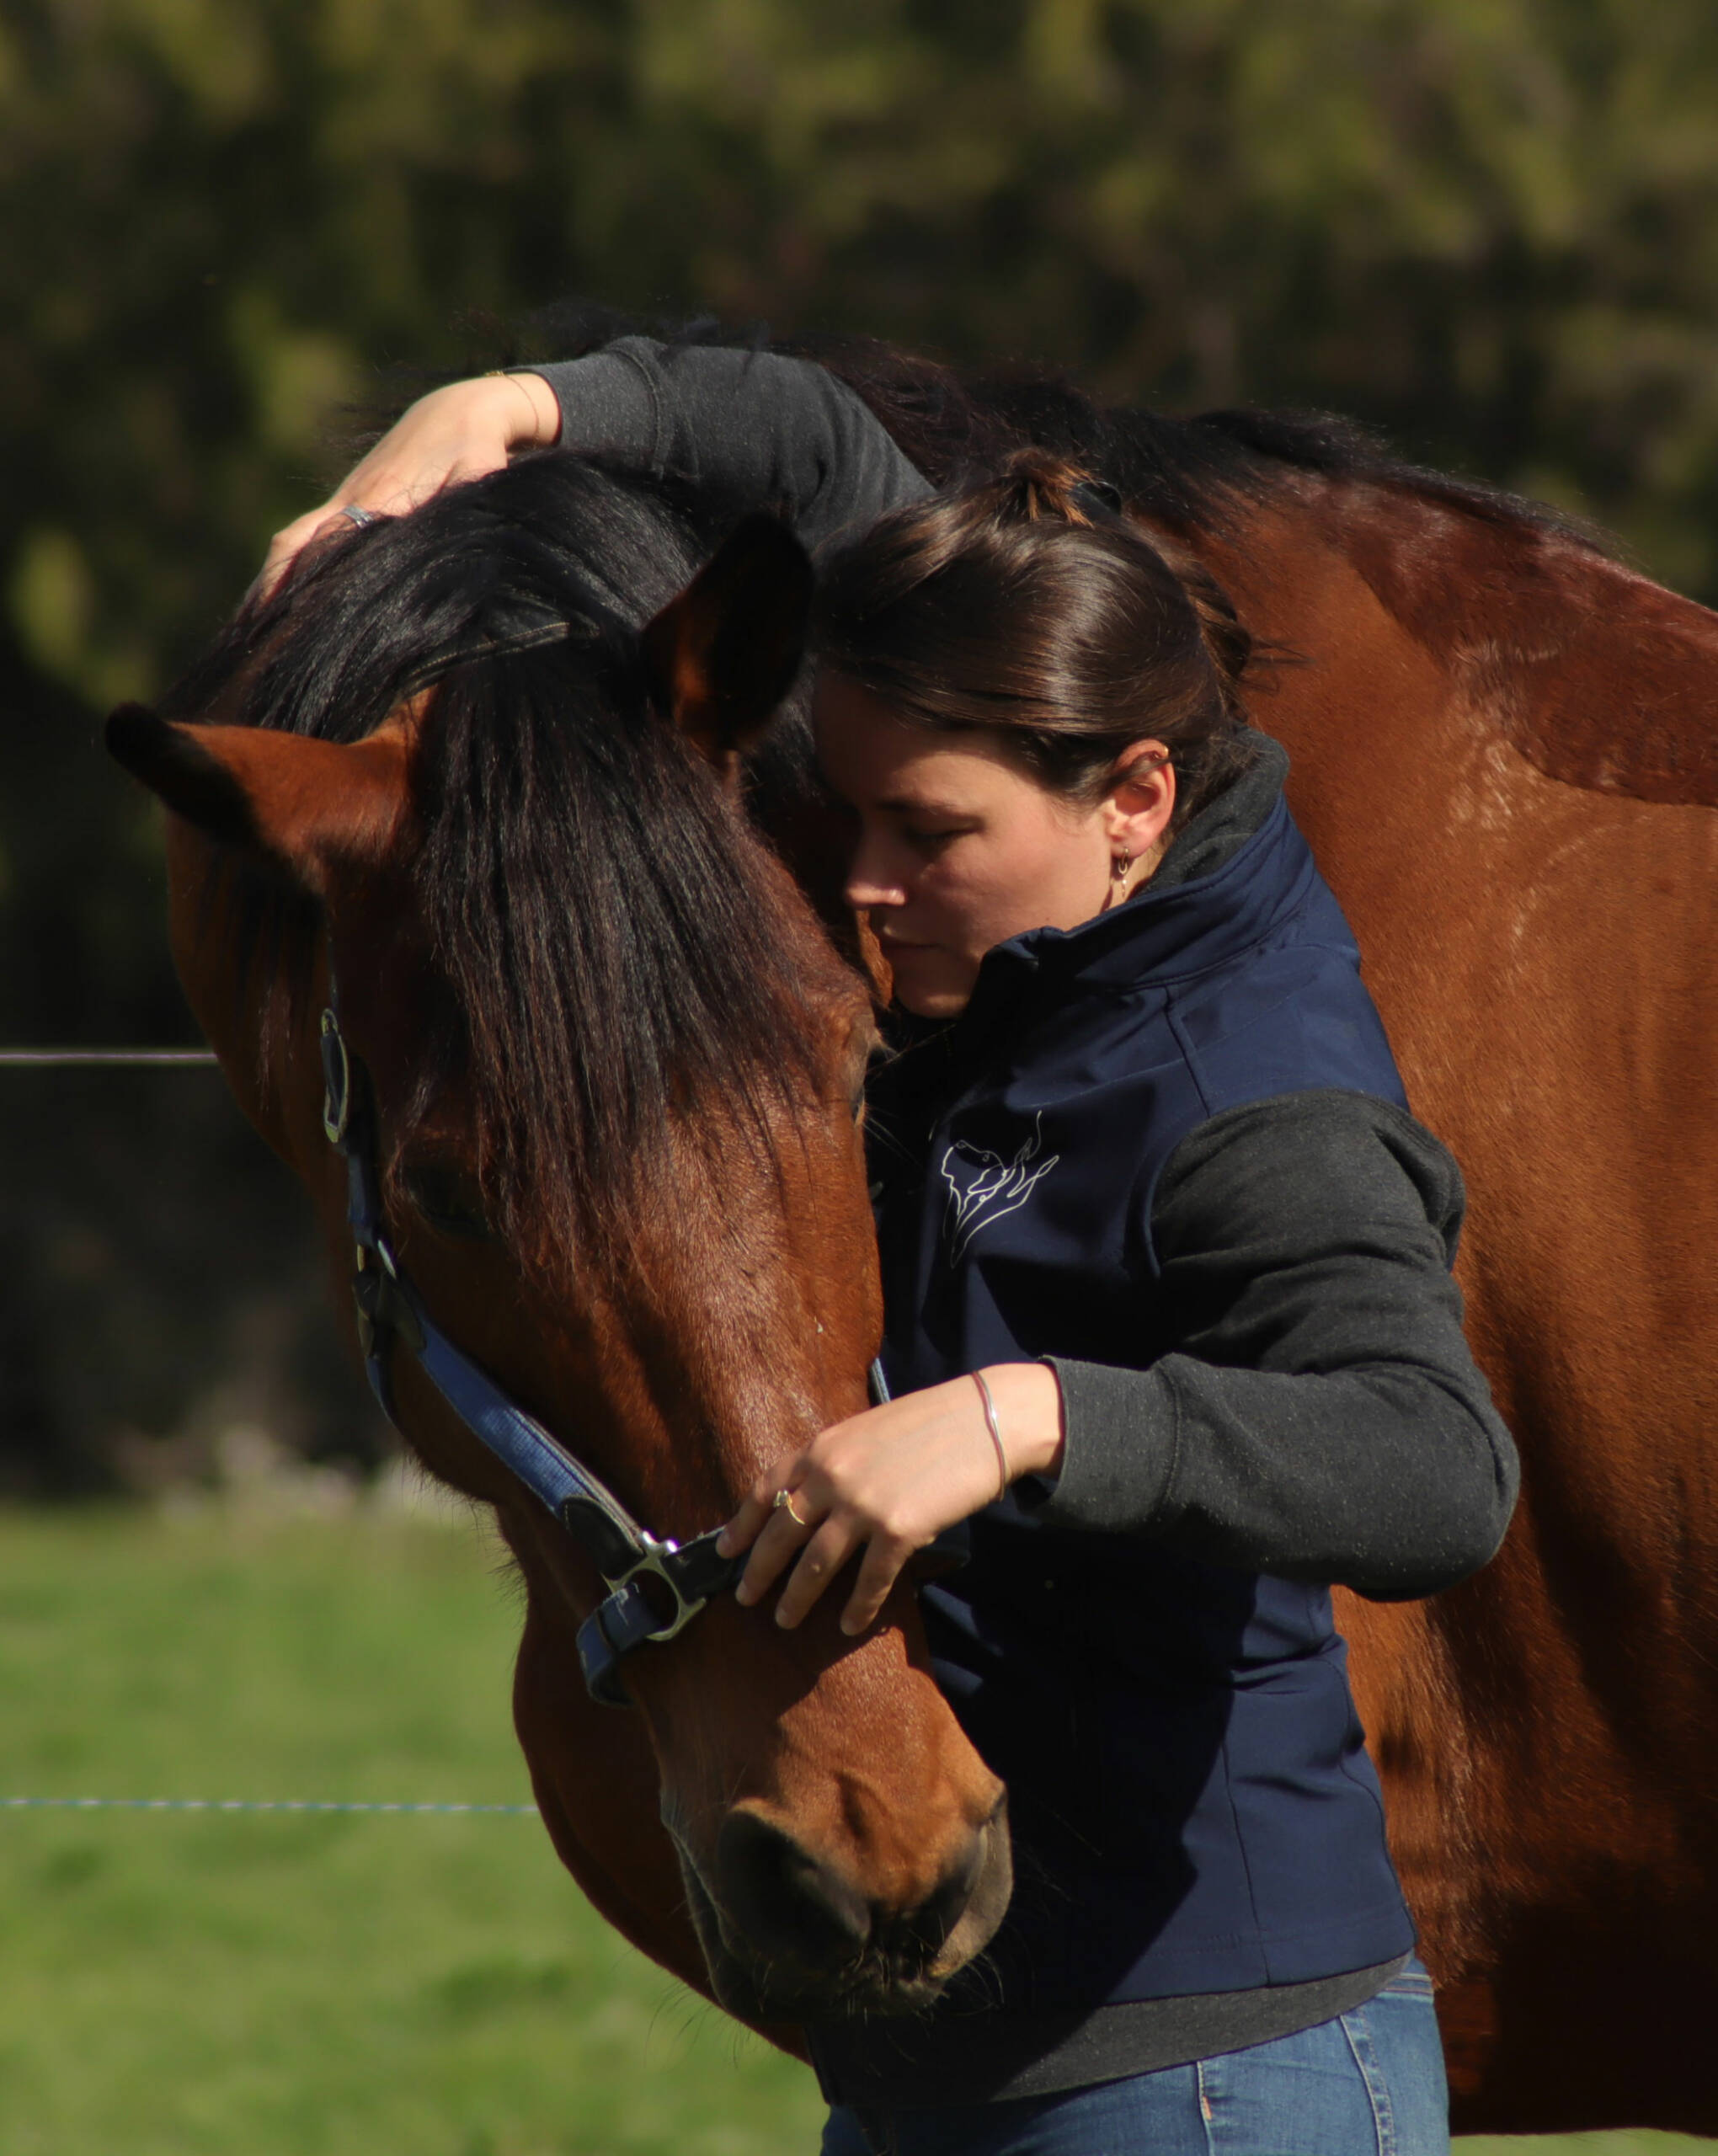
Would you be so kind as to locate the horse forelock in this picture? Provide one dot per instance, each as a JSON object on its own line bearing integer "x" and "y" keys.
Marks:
{"x": 625, "y": 960}
{"x": 613, "y": 961}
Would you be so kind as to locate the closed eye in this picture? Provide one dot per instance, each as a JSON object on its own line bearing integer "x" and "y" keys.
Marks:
{"x": 446, "y": 1199}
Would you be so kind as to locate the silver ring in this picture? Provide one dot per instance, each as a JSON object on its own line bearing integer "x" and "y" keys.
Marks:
{"x": 361, "y": 517}
{"x": 784, "y": 1502}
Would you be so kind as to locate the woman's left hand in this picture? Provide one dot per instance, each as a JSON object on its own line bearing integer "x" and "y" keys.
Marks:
{"x": 891, "y": 1480}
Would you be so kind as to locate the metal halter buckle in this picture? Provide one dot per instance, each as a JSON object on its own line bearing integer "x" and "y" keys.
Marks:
{"x": 654, "y": 1565}
{"x": 337, "y": 1080}
{"x": 630, "y": 1617}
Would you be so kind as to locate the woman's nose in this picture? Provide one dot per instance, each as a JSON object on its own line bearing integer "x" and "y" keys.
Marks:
{"x": 872, "y": 879}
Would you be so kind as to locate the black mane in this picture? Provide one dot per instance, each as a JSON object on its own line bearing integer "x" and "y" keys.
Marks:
{"x": 592, "y": 900}
{"x": 1189, "y": 473}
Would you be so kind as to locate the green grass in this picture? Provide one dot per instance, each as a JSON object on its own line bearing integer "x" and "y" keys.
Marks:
{"x": 245, "y": 1985}
{"x": 190, "y": 1985}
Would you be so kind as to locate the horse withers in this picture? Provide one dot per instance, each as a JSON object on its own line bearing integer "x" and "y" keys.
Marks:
{"x": 460, "y": 771}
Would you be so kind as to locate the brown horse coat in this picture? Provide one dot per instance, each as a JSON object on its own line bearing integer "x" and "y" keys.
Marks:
{"x": 1506, "y": 758}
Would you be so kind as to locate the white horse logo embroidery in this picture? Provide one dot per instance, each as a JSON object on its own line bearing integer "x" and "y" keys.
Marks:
{"x": 999, "y": 1187}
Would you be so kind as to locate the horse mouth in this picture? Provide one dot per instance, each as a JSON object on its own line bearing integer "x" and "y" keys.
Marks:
{"x": 901, "y": 1968}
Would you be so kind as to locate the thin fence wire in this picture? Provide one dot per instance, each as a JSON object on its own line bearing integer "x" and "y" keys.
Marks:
{"x": 250, "y": 1804}
{"x": 104, "y": 1058}
{"x": 157, "y": 1058}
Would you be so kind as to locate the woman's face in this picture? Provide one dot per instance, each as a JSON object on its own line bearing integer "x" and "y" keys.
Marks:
{"x": 959, "y": 848}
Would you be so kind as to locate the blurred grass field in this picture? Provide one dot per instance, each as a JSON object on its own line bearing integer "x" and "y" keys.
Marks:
{"x": 237, "y": 1985}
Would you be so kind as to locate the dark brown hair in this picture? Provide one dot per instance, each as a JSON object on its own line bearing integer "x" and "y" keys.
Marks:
{"x": 1026, "y": 608}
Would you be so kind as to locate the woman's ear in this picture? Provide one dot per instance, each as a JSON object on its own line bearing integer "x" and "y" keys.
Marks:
{"x": 1139, "y": 800}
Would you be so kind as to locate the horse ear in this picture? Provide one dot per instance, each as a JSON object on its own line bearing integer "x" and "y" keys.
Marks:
{"x": 303, "y": 806}
{"x": 722, "y": 656}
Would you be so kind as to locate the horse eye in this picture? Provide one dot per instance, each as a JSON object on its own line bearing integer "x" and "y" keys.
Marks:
{"x": 447, "y": 1200}
{"x": 876, "y": 1056}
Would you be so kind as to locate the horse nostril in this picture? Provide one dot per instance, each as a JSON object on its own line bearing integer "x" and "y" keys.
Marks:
{"x": 917, "y": 1936}
{"x": 783, "y": 1900}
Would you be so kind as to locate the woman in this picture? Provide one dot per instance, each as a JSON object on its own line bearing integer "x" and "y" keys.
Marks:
{"x": 1165, "y": 1268}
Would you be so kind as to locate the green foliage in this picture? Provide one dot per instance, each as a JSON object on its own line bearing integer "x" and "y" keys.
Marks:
{"x": 1488, "y": 221}
{"x": 1487, "y": 224}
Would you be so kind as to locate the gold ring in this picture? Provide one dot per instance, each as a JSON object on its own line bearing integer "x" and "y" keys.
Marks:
{"x": 784, "y": 1499}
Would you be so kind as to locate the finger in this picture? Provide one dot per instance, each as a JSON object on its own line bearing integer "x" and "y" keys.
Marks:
{"x": 779, "y": 1542}
{"x": 285, "y": 548}
{"x": 884, "y": 1559}
{"x": 745, "y": 1528}
{"x": 821, "y": 1559}
{"x": 287, "y": 545}
{"x": 757, "y": 1506}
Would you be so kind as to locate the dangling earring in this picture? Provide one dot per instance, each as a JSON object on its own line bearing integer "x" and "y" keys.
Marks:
{"x": 1118, "y": 873}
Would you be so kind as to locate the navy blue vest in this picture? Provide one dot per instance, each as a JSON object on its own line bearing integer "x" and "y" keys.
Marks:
{"x": 1193, "y": 1806}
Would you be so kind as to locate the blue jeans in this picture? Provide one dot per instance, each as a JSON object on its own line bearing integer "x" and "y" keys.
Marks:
{"x": 1369, "y": 2084}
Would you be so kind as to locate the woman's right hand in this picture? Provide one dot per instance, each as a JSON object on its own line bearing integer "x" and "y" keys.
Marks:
{"x": 457, "y": 432}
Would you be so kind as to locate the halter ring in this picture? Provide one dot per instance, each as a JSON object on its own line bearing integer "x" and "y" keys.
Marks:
{"x": 784, "y": 1502}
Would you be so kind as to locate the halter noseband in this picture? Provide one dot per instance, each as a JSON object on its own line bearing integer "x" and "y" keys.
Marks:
{"x": 656, "y": 1587}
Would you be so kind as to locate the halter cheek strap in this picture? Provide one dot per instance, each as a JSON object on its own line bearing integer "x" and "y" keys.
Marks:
{"x": 656, "y": 1587}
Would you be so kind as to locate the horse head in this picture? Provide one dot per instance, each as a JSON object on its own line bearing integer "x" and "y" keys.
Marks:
{"x": 478, "y": 768}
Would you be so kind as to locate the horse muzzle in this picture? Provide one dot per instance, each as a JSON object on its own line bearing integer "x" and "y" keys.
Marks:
{"x": 791, "y": 1932}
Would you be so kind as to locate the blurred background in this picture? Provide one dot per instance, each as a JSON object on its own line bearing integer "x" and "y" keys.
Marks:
{"x": 233, "y": 227}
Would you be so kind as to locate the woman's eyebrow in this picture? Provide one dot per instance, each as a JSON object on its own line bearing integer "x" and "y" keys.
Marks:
{"x": 895, "y": 804}
{"x": 920, "y": 804}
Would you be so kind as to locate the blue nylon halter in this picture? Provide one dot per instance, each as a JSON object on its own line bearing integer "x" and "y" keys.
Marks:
{"x": 656, "y": 1587}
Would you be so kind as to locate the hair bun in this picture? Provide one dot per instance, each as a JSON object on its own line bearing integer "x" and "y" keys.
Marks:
{"x": 1035, "y": 485}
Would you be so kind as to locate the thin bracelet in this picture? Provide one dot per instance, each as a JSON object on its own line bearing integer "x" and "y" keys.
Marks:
{"x": 978, "y": 1378}
{"x": 512, "y": 374}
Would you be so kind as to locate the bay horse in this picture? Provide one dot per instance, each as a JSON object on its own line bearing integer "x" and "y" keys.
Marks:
{"x": 465, "y": 787}
{"x": 1505, "y": 756}
{"x": 1505, "y": 759}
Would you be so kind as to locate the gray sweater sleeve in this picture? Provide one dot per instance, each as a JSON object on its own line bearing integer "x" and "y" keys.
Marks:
{"x": 782, "y": 433}
{"x": 1320, "y": 1416}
